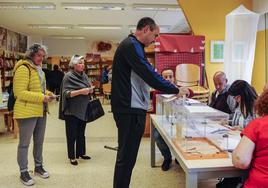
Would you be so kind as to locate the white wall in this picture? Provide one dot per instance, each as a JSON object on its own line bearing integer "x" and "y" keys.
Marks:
{"x": 260, "y": 6}
{"x": 63, "y": 47}
{"x": 33, "y": 39}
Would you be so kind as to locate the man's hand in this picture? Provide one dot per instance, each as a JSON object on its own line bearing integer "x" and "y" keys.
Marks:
{"x": 183, "y": 91}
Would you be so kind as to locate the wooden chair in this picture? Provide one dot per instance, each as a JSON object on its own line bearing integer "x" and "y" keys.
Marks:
{"x": 106, "y": 89}
{"x": 97, "y": 89}
{"x": 188, "y": 75}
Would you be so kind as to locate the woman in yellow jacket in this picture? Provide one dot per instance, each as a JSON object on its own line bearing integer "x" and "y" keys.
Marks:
{"x": 30, "y": 110}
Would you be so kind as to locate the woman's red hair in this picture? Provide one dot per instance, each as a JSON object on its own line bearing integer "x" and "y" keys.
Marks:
{"x": 261, "y": 106}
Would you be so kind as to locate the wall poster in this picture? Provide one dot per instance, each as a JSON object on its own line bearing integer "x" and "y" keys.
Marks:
{"x": 22, "y": 43}
{"x": 3, "y": 38}
{"x": 12, "y": 41}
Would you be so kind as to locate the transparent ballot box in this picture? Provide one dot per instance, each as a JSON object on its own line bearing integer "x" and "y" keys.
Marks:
{"x": 195, "y": 129}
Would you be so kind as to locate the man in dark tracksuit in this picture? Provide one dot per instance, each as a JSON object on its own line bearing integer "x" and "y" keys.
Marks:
{"x": 132, "y": 76}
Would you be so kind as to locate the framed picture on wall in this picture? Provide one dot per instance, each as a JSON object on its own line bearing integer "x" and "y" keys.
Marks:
{"x": 22, "y": 43}
{"x": 3, "y": 38}
{"x": 216, "y": 51}
{"x": 12, "y": 41}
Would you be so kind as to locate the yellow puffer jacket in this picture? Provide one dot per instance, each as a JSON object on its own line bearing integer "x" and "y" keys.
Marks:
{"x": 27, "y": 90}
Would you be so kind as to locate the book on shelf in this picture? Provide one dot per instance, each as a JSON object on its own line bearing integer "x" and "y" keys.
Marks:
{"x": 93, "y": 57}
{"x": 89, "y": 66}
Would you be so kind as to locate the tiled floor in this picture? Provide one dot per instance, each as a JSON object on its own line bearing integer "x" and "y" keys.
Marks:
{"x": 95, "y": 173}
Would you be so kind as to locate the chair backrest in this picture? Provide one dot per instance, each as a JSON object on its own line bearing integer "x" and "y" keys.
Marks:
{"x": 187, "y": 74}
{"x": 107, "y": 88}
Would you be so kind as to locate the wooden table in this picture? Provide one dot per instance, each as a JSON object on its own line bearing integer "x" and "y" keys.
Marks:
{"x": 194, "y": 169}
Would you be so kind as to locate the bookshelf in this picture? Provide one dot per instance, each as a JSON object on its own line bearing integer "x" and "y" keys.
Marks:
{"x": 7, "y": 63}
{"x": 64, "y": 63}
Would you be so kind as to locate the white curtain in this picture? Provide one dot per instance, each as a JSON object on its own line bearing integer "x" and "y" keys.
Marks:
{"x": 239, "y": 47}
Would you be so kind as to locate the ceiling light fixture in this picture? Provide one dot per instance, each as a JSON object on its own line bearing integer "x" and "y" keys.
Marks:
{"x": 67, "y": 37}
{"x": 93, "y": 6}
{"x": 100, "y": 27}
{"x": 50, "y": 26}
{"x": 156, "y": 7}
{"x": 27, "y": 5}
{"x": 163, "y": 28}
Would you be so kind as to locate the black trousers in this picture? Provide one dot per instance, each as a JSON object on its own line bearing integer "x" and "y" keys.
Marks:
{"x": 130, "y": 131}
{"x": 75, "y": 134}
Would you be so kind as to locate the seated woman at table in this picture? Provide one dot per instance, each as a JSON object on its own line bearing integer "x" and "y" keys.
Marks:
{"x": 245, "y": 96}
{"x": 252, "y": 150}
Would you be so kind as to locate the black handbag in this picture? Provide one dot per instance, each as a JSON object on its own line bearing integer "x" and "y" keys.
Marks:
{"x": 94, "y": 110}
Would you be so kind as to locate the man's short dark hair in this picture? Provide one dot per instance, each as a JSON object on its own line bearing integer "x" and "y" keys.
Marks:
{"x": 56, "y": 67}
{"x": 146, "y": 21}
